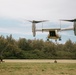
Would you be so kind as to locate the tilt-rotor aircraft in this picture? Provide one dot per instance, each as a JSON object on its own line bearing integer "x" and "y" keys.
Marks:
{"x": 53, "y": 32}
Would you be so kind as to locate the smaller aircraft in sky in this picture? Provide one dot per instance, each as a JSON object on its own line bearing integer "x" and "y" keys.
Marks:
{"x": 52, "y": 32}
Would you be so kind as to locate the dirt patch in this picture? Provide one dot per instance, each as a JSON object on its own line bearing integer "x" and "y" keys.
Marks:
{"x": 39, "y": 61}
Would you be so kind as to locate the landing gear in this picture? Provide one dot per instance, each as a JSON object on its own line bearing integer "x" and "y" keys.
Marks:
{"x": 56, "y": 41}
{"x": 47, "y": 39}
{"x": 60, "y": 39}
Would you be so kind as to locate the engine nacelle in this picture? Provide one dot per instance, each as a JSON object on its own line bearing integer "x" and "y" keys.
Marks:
{"x": 34, "y": 29}
{"x": 73, "y": 20}
{"x": 75, "y": 28}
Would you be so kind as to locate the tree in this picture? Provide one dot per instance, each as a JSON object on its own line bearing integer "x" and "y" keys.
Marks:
{"x": 23, "y": 44}
{"x": 3, "y": 44}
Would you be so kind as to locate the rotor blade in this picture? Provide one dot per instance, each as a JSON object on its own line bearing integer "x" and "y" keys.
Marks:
{"x": 34, "y": 21}
{"x": 39, "y": 21}
{"x": 44, "y": 20}
{"x": 29, "y": 20}
{"x": 73, "y": 20}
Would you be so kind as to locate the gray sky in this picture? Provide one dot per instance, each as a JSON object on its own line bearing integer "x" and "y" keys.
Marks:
{"x": 13, "y": 11}
{"x": 38, "y": 9}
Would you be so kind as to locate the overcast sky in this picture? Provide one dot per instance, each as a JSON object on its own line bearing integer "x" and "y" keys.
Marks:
{"x": 38, "y": 9}
{"x": 13, "y": 11}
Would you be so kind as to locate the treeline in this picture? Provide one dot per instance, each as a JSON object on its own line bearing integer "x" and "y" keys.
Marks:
{"x": 35, "y": 49}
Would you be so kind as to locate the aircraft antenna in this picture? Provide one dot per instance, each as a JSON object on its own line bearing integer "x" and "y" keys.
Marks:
{"x": 42, "y": 26}
{"x": 60, "y": 24}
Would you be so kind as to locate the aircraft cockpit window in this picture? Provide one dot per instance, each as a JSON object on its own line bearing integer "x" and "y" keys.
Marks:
{"x": 52, "y": 33}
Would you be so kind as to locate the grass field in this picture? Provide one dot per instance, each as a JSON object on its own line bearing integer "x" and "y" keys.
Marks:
{"x": 37, "y": 68}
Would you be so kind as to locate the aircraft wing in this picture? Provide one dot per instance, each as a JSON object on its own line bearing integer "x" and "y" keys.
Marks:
{"x": 53, "y": 29}
{"x": 66, "y": 29}
{"x": 47, "y": 30}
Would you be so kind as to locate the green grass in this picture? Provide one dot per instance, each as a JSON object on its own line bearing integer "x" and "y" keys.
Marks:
{"x": 37, "y": 68}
